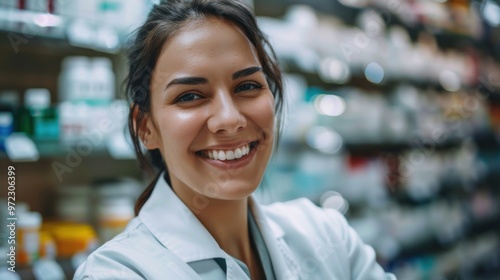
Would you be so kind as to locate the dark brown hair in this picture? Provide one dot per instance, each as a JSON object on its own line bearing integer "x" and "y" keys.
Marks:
{"x": 164, "y": 20}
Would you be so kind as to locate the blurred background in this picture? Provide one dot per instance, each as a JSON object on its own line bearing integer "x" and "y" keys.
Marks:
{"x": 393, "y": 118}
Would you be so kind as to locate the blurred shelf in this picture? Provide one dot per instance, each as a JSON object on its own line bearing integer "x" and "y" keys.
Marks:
{"x": 446, "y": 192}
{"x": 54, "y": 149}
{"x": 455, "y": 35}
{"x": 486, "y": 268}
{"x": 495, "y": 96}
{"x": 387, "y": 85}
{"x": 468, "y": 258}
{"x": 451, "y": 37}
{"x": 472, "y": 228}
{"x": 357, "y": 81}
{"x": 21, "y": 27}
{"x": 375, "y": 149}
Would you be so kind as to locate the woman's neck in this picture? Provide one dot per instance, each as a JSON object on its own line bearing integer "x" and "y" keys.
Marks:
{"x": 227, "y": 222}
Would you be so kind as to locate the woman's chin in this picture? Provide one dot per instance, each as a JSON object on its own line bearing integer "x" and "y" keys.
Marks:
{"x": 231, "y": 191}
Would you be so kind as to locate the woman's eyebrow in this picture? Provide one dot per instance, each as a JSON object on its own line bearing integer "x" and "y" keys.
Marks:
{"x": 187, "y": 81}
{"x": 246, "y": 72}
{"x": 200, "y": 80}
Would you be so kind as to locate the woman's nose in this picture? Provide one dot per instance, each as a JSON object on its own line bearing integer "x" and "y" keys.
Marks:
{"x": 226, "y": 117}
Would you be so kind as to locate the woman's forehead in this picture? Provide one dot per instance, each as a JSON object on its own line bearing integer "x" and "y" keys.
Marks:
{"x": 204, "y": 44}
{"x": 208, "y": 38}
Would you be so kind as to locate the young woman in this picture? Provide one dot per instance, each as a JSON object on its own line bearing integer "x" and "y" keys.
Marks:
{"x": 206, "y": 103}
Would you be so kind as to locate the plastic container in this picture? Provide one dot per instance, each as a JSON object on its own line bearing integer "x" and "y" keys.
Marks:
{"x": 44, "y": 6}
{"x": 72, "y": 121}
{"x": 9, "y": 102}
{"x": 28, "y": 237}
{"x": 113, "y": 216}
{"x": 47, "y": 248}
{"x": 73, "y": 203}
{"x": 40, "y": 120}
{"x": 102, "y": 83}
{"x": 72, "y": 238}
{"x": 74, "y": 80}
{"x": 6, "y": 127}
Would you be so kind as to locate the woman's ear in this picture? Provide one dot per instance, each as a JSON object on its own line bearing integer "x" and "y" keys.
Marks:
{"x": 145, "y": 128}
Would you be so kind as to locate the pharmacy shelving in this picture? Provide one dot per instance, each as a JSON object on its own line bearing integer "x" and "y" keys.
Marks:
{"x": 409, "y": 221}
{"x": 20, "y": 26}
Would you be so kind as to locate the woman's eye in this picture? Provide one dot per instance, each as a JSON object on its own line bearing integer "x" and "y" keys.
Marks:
{"x": 188, "y": 97}
{"x": 248, "y": 86}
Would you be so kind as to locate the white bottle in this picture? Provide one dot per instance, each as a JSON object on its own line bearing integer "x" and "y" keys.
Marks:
{"x": 37, "y": 98}
{"x": 74, "y": 80}
{"x": 28, "y": 236}
{"x": 82, "y": 9}
{"x": 113, "y": 216}
{"x": 37, "y": 5}
{"x": 9, "y": 3}
{"x": 103, "y": 81}
{"x": 73, "y": 122}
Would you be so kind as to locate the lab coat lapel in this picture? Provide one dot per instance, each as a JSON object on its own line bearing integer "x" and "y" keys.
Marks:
{"x": 176, "y": 227}
{"x": 234, "y": 272}
{"x": 282, "y": 258}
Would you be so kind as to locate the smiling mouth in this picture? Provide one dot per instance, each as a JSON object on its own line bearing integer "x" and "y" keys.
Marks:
{"x": 229, "y": 154}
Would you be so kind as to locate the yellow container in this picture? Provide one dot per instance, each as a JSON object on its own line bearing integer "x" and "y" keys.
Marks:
{"x": 72, "y": 238}
{"x": 47, "y": 245}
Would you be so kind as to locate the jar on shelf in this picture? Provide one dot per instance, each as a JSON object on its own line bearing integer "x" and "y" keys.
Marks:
{"x": 115, "y": 205}
{"x": 72, "y": 238}
{"x": 39, "y": 120}
{"x": 102, "y": 82}
{"x": 6, "y": 127}
{"x": 73, "y": 203}
{"x": 28, "y": 237}
{"x": 74, "y": 80}
{"x": 113, "y": 216}
{"x": 48, "y": 248}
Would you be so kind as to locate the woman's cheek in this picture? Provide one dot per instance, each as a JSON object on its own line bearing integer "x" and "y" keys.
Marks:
{"x": 266, "y": 113}
{"x": 179, "y": 127}
{"x": 185, "y": 115}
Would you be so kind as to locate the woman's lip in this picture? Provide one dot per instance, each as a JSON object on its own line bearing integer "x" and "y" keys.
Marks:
{"x": 232, "y": 164}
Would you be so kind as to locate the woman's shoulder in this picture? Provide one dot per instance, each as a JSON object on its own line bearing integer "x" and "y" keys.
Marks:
{"x": 133, "y": 254}
{"x": 303, "y": 214}
{"x": 324, "y": 237}
{"x": 114, "y": 259}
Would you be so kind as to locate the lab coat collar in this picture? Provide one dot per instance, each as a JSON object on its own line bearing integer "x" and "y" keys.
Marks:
{"x": 178, "y": 229}
{"x": 273, "y": 235}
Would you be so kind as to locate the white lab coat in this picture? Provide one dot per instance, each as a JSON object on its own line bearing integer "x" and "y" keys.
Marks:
{"x": 166, "y": 241}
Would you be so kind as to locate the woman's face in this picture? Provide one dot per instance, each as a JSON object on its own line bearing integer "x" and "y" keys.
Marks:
{"x": 212, "y": 113}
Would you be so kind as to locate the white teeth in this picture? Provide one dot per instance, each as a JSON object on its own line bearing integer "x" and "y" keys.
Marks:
{"x": 237, "y": 153}
{"x": 228, "y": 154}
{"x": 222, "y": 155}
